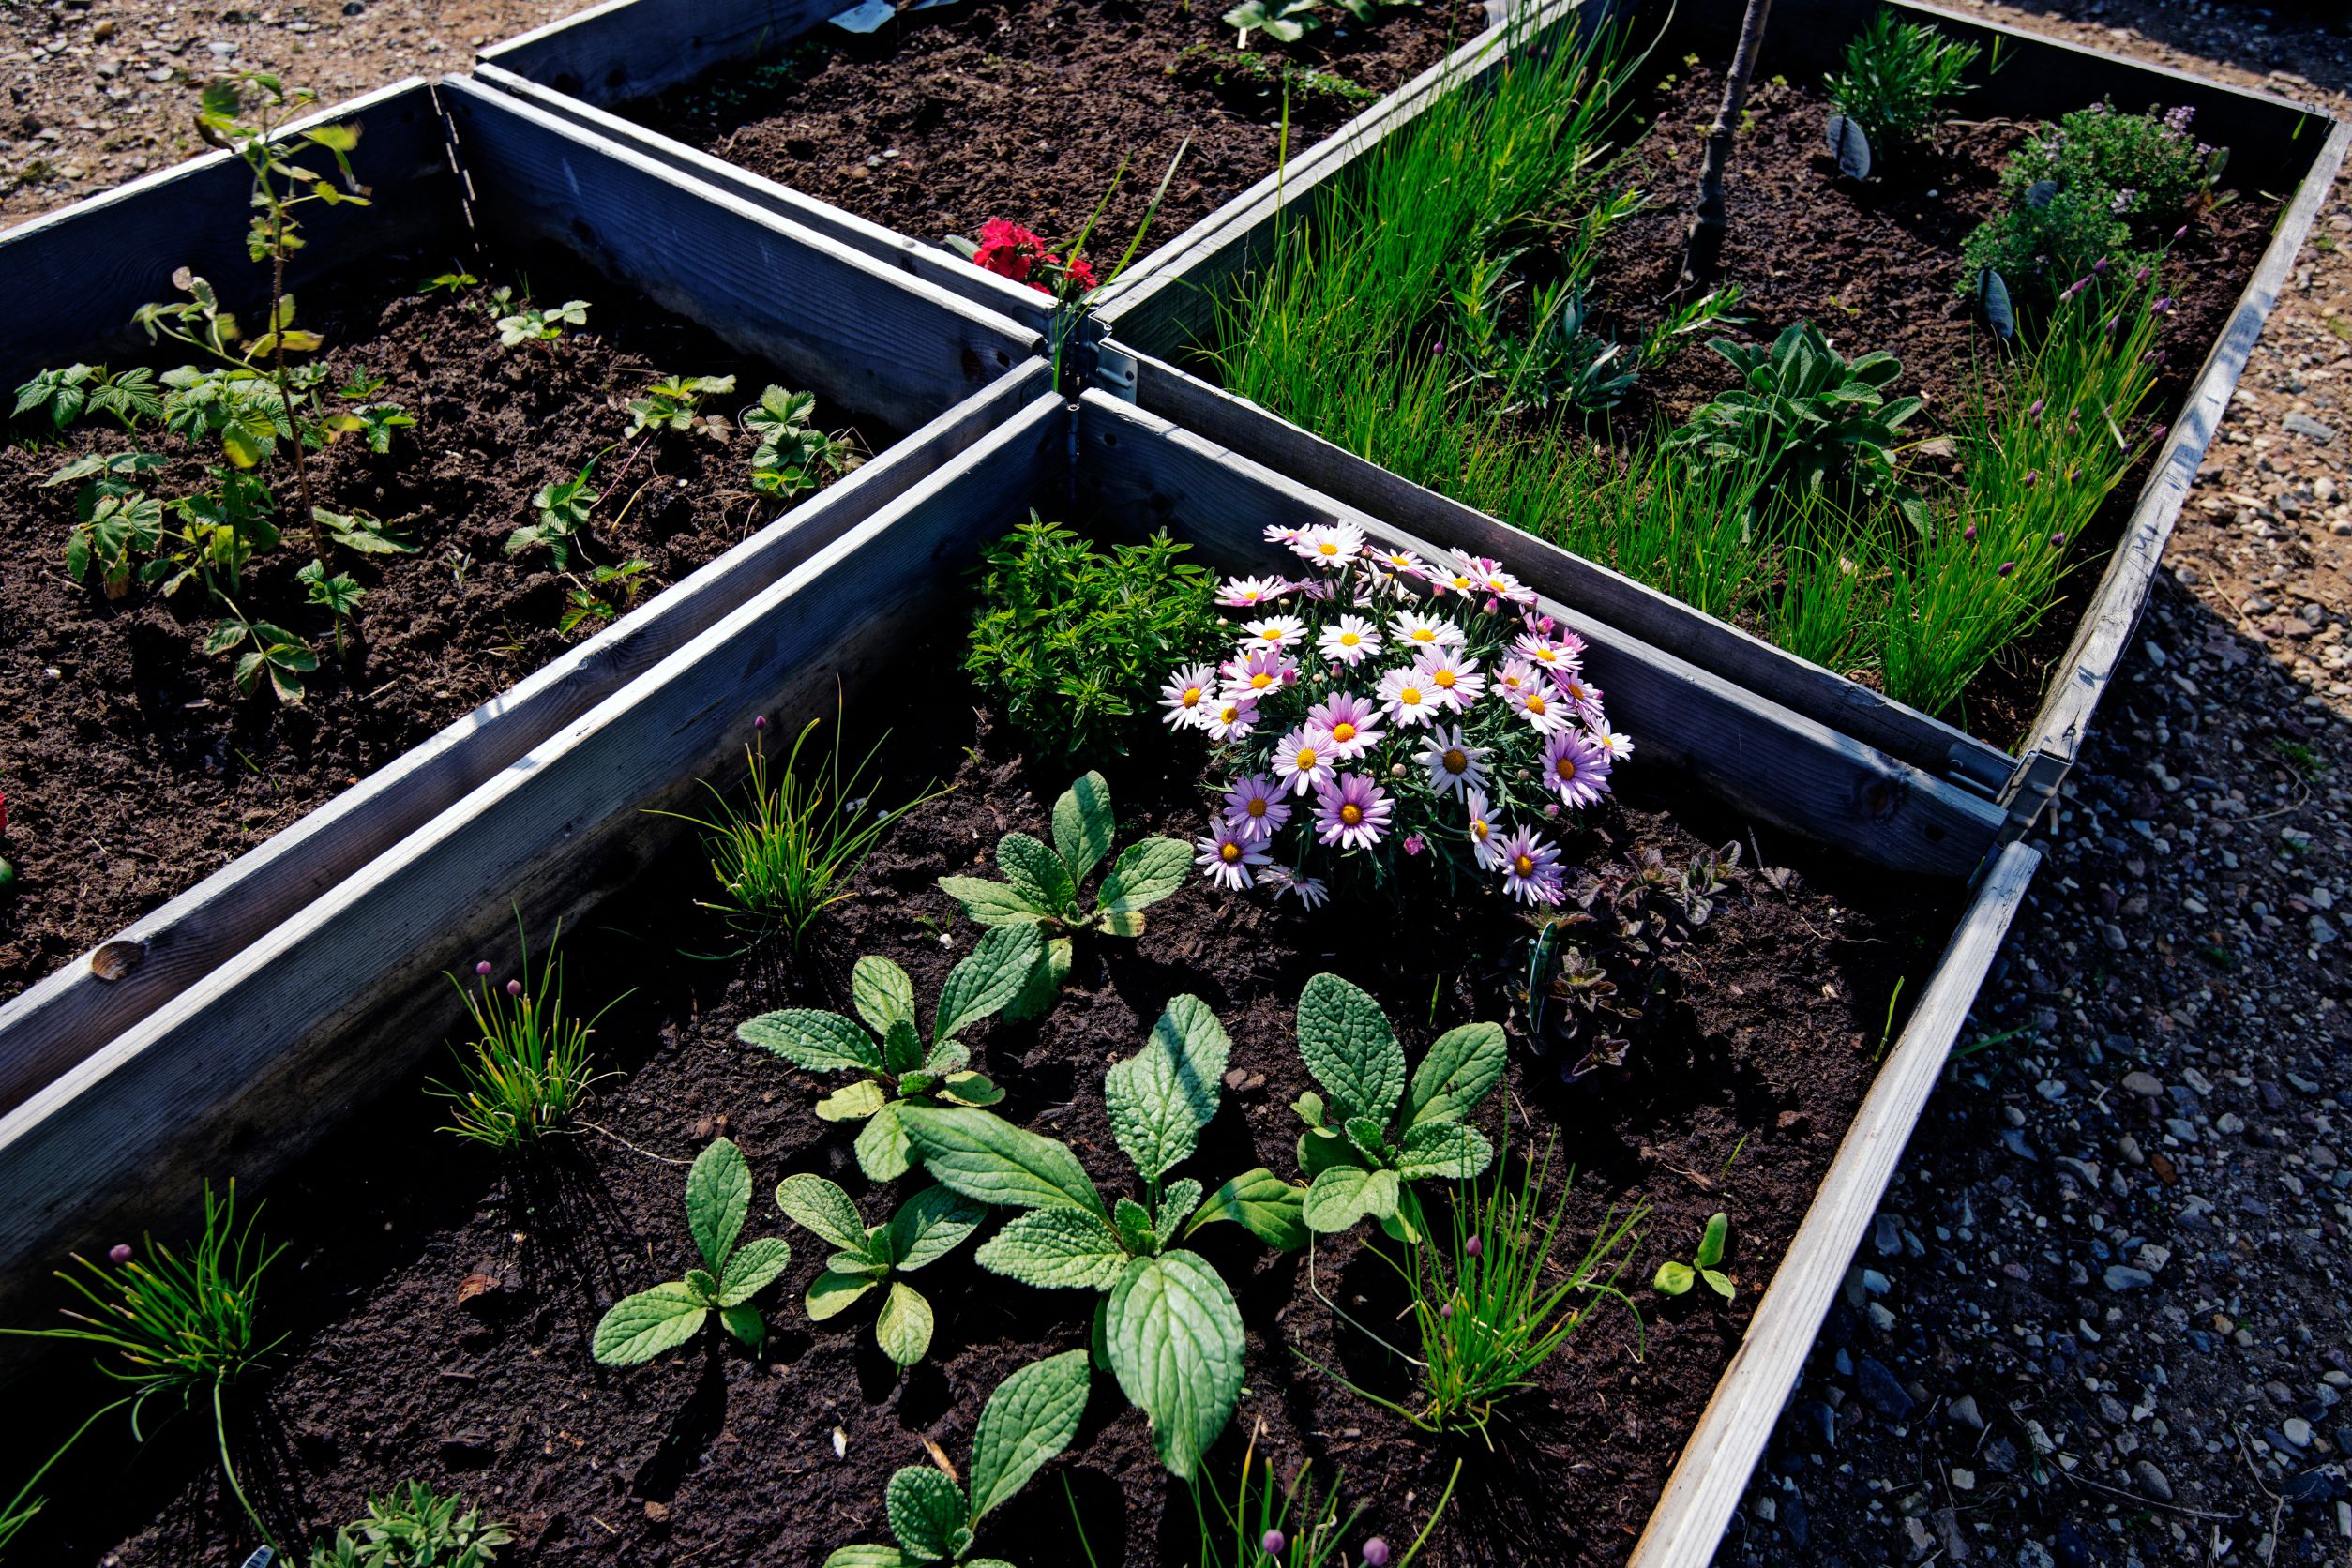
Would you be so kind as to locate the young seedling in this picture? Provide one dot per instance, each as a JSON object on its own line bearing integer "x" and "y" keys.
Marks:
{"x": 928, "y": 1226}
{"x": 608, "y": 591}
{"x": 270, "y": 650}
{"x": 898, "y": 1070}
{"x": 1367, "y": 1137}
{"x": 675, "y": 402}
{"x": 1271, "y": 1524}
{"x": 1676, "y": 1278}
{"x": 532, "y": 324}
{"x": 65, "y": 395}
{"x": 794, "y": 455}
{"x": 562, "y": 506}
{"x": 1042, "y": 885}
{"x": 1167, "y": 1325}
{"x": 413, "y": 1526}
{"x": 338, "y": 595}
{"x": 717, "y": 1198}
{"x": 1032, "y": 1416}
{"x": 117, "y": 519}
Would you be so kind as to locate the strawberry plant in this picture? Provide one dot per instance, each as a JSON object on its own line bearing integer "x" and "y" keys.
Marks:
{"x": 928, "y": 1226}
{"x": 1167, "y": 1326}
{"x": 793, "y": 455}
{"x": 898, "y": 1070}
{"x": 675, "y": 402}
{"x": 717, "y": 1199}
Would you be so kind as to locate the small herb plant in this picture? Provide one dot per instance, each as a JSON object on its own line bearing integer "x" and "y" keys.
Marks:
{"x": 926, "y": 1226}
{"x": 675, "y": 402}
{"x": 1676, "y": 1278}
{"x": 717, "y": 1199}
{"x": 1899, "y": 81}
{"x": 793, "y": 455}
{"x": 1291, "y": 1526}
{"x": 1167, "y": 1326}
{"x": 525, "y": 1074}
{"x": 896, "y": 1070}
{"x": 1371, "y": 1136}
{"x": 532, "y": 324}
{"x": 413, "y": 1526}
{"x": 1075, "y": 642}
{"x": 1031, "y": 1417}
{"x": 1043, "y": 882}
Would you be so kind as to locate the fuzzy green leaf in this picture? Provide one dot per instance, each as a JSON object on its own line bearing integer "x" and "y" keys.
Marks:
{"x": 984, "y": 1156}
{"x": 1719, "y": 1282}
{"x": 1176, "y": 1206}
{"x": 1175, "y": 1341}
{"x": 882, "y": 1151}
{"x": 813, "y": 1039}
{"x": 1038, "y": 993}
{"x": 1674, "y": 1278}
{"x": 816, "y": 1204}
{"x": 970, "y": 1088}
{"x": 1162, "y": 1096}
{"x": 1323, "y": 1147}
{"x": 1133, "y": 1222}
{"x": 999, "y": 964}
{"x": 1144, "y": 873}
{"x": 1035, "y": 872}
{"x": 830, "y": 1293}
{"x": 902, "y": 1050}
{"x": 992, "y": 903}
{"x": 854, "y": 1103}
{"x": 1351, "y": 1049}
{"x": 882, "y": 993}
{"x": 1460, "y": 1070}
{"x": 1083, "y": 825}
{"x": 1032, "y": 1416}
{"x": 926, "y": 1510}
{"x": 932, "y": 1224}
{"x": 745, "y": 1324}
{"x": 718, "y": 1196}
{"x": 753, "y": 1268}
{"x": 640, "y": 1327}
{"x": 1261, "y": 1203}
{"x": 1056, "y": 1249}
{"x": 872, "y": 1556}
{"x": 1452, "y": 1149}
{"x": 904, "y": 1328}
{"x": 1345, "y": 1194}
{"x": 1712, "y": 1240}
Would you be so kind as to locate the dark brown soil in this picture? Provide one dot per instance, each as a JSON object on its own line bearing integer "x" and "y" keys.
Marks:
{"x": 1024, "y": 110}
{"x": 136, "y": 768}
{"x": 1764, "y": 1042}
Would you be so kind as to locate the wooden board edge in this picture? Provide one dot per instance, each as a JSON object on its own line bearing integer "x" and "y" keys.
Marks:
{"x": 1712, "y": 1473}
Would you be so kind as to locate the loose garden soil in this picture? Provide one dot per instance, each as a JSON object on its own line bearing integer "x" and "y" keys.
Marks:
{"x": 1025, "y": 110}
{"x": 136, "y": 767}
{"x": 439, "y": 1311}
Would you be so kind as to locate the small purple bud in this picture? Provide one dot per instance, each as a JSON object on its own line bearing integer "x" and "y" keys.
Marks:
{"x": 1970, "y": 533}
{"x": 760, "y": 722}
{"x": 1375, "y": 1553}
{"x": 2162, "y": 430}
{"x": 2140, "y": 277}
{"x": 1474, "y": 1246}
{"x": 2154, "y": 356}
{"x": 118, "y": 1253}
{"x": 2115, "y": 321}
{"x": 2056, "y": 539}
{"x": 2035, "y": 411}
{"x": 1551, "y": 808}
{"x": 483, "y": 968}
{"x": 2180, "y": 234}
{"x": 2005, "y": 568}
{"x": 1446, "y": 1311}
{"x": 514, "y": 987}
{"x": 2031, "y": 475}
{"x": 2162, "y": 305}
{"x": 2098, "y": 268}
{"x": 1272, "y": 1543}
{"x": 1492, "y": 605}
{"x": 2073, "y": 474}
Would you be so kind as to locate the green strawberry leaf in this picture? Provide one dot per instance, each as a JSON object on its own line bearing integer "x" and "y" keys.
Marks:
{"x": 986, "y": 1157}
{"x": 1162, "y": 1096}
{"x": 1351, "y": 1049}
{"x": 718, "y": 1196}
{"x": 1032, "y": 1416}
{"x": 1175, "y": 1341}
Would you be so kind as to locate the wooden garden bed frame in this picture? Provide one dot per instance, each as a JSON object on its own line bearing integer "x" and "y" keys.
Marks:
{"x": 922, "y": 363}
{"x": 1168, "y": 304}
{"x": 352, "y": 984}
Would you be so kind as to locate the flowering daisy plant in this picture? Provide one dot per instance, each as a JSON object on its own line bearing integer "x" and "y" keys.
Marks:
{"x": 1381, "y": 706}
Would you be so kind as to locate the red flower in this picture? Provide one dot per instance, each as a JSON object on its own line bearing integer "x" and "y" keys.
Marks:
{"x": 1080, "y": 272}
{"x": 1012, "y": 251}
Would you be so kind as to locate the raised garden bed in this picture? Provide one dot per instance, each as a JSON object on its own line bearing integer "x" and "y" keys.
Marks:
{"x": 1876, "y": 264}
{"x": 148, "y": 777}
{"x": 1780, "y": 1029}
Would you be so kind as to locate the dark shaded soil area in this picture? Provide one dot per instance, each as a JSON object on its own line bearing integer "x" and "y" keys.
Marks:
{"x": 1735, "y": 1099}
{"x": 1025, "y": 108}
{"x": 136, "y": 768}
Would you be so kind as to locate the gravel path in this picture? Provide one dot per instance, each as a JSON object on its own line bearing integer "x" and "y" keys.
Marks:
{"x": 2104, "y": 1317}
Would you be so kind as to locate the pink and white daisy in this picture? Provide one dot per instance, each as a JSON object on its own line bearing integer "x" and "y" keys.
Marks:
{"x": 1581, "y": 694}
{"x": 1403, "y": 563}
{"x": 1274, "y": 631}
{"x": 1619, "y": 744}
{"x": 1350, "y": 721}
{"x": 1425, "y": 632}
{"x": 1531, "y": 868}
{"x": 1576, "y": 769}
{"x": 1226, "y": 858}
{"x": 1456, "y": 676}
{"x": 1352, "y": 811}
{"x": 1547, "y": 653}
{"x": 1544, "y": 710}
{"x": 1333, "y": 545}
{"x": 1259, "y": 673}
{"x": 1255, "y": 810}
{"x": 1231, "y": 716}
{"x": 1188, "y": 695}
{"x": 1516, "y": 675}
{"x": 1485, "y": 841}
{"x": 1453, "y": 762}
{"x": 1491, "y": 578}
{"x": 1243, "y": 592}
{"x": 1304, "y": 758}
{"x": 1456, "y": 574}
{"x": 1348, "y": 640}
{"x": 1276, "y": 534}
{"x": 1409, "y": 696}
{"x": 1309, "y": 891}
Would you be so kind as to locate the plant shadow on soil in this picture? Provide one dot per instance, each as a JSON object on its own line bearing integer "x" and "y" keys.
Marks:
{"x": 438, "y": 1306}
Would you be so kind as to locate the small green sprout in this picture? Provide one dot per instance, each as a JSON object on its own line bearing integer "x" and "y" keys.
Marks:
{"x": 532, "y": 324}
{"x": 673, "y": 403}
{"x": 563, "y": 506}
{"x": 1674, "y": 1278}
{"x": 926, "y": 1226}
{"x": 794, "y": 455}
{"x": 718, "y": 1197}
{"x": 413, "y": 1526}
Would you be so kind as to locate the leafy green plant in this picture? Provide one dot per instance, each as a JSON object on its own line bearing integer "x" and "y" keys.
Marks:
{"x": 1675, "y": 1278}
{"x": 1074, "y": 642}
{"x": 1031, "y": 1417}
{"x": 338, "y": 595}
{"x": 413, "y": 1526}
{"x": 1167, "y": 1326}
{"x": 1291, "y": 1527}
{"x": 269, "y": 650}
{"x": 525, "y": 1073}
{"x": 174, "y": 1325}
{"x": 1269, "y": 74}
{"x": 1043, "y": 883}
{"x": 609, "y": 591}
{"x": 448, "y": 282}
{"x": 898, "y": 1071}
{"x": 116, "y": 519}
{"x": 926, "y": 1226}
{"x": 1899, "y": 81}
{"x": 563, "y": 506}
{"x": 533, "y": 325}
{"x": 1283, "y": 21}
{"x": 793, "y": 455}
{"x": 65, "y": 394}
{"x": 717, "y": 1199}
{"x": 1817, "y": 422}
{"x": 1371, "y": 1136}
{"x": 675, "y": 402}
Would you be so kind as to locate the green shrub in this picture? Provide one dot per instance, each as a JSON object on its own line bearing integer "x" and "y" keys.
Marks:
{"x": 1899, "y": 81}
{"x": 1075, "y": 642}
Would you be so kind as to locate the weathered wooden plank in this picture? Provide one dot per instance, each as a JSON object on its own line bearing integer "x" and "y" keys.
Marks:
{"x": 2105, "y": 632}
{"x": 72, "y": 1012}
{"x": 76, "y": 274}
{"x": 1713, "y": 1472}
{"x": 630, "y": 48}
{"x": 934, "y": 263}
{"x": 881, "y": 340}
{"x": 1903, "y": 733}
{"x": 202, "y": 1087}
{"x": 1777, "y": 763}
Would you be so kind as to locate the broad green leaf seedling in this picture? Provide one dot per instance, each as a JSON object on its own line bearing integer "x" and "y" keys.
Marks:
{"x": 1676, "y": 1278}
{"x": 717, "y": 1198}
{"x": 413, "y": 1526}
{"x": 928, "y": 1226}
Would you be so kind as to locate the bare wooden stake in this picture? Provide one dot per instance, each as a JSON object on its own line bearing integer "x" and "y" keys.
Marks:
{"x": 1702, "y": 258}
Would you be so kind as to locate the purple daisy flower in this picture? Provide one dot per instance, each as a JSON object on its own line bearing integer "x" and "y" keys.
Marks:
{"x": 1531, "y": 868}
{"x": 1352, "y": 723}
{"x": 1225, "y": 859}
{"x": 1351, "y": 812}
{"x": 1576, "y": 769}
{"x": 1255, "y": 810}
